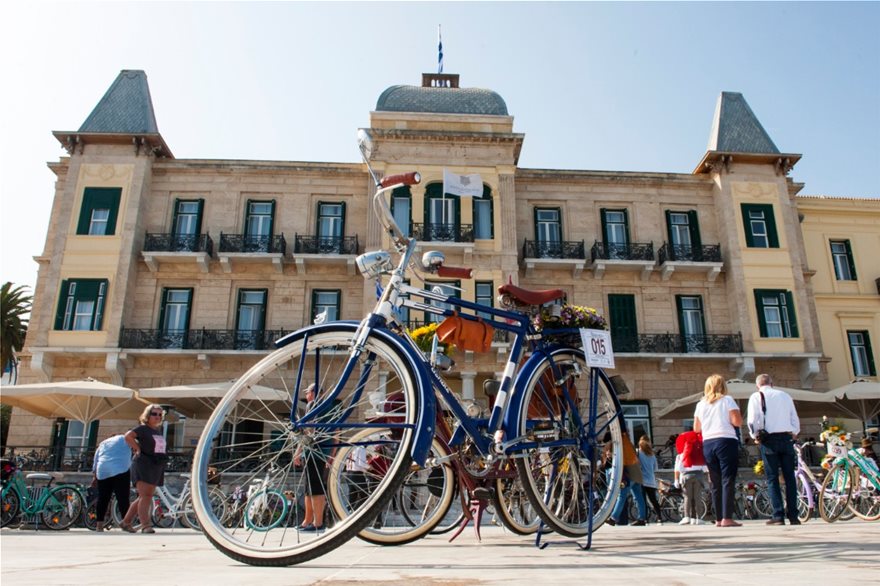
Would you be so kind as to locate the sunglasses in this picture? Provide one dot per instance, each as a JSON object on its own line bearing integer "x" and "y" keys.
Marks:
{"x": 156, "y": 414}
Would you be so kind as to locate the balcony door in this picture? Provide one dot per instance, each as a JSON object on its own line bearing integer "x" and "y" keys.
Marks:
{"x": 615, "y": 232}
{"x": 258, "y": 226}
{"x": 548, "y": 232}
{"x": 401, "y": 208}
{"x": 624, "y": 328}
{"x": 250, "y": 319}
{"x": 442, "y": 215}
{"x": 331, "y": 227}
{"x": 684, "y": 235}
{"x": 174, "y": 318}
{"x": 691, "y": 322}
{"x": 187, "y": 224}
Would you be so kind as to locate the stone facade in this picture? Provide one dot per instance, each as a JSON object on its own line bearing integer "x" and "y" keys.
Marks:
{"x": 152, "y": 181}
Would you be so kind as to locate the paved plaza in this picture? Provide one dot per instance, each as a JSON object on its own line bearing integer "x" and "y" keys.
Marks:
{"x": 814, "y": 553}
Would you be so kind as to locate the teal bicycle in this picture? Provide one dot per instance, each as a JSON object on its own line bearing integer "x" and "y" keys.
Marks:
{"x": 58, "y": 507}
{"x": 852, "y": 483}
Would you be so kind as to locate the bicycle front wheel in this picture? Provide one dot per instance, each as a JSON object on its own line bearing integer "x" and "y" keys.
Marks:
{"x": 835, "y": 493}
{"x": 561, "y": 470}
{"x": 9, "y": 506}
{"x": 262, "y": 430}
{"x": 63, "y": 506}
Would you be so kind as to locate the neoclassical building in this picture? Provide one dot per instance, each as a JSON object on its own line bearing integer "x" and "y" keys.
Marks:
{"x": 161, "y": 271}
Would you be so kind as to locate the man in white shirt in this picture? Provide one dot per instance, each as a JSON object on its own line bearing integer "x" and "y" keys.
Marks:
{"x": 774, "y": 424}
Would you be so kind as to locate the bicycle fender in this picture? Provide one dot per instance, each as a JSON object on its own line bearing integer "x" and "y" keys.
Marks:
{"x": 512, "y": 417}
{"x": 427, "y": 407}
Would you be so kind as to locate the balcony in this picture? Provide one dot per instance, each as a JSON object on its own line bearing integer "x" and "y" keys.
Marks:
{"x": 663, "y": 345}
{"x": 700, "y": 259}
{"x": 242, "y": 248}
{"x": 203, "y": 339}
{"x": 554, "y": 255}
{"x": 312, "y": 250}
{"x": 449, "y": 237}
{"x": 177, "y": 248}
{"x": 633, "y": 256}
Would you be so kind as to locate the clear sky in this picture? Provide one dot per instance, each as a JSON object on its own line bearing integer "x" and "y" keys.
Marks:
{"x": 599, "y": 86}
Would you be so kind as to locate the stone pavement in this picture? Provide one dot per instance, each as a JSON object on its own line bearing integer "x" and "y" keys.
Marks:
{"x": 815, "y": 553}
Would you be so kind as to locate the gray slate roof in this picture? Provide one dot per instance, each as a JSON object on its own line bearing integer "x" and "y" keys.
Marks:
{"x": 409, "y": 98}
{"x": 126, "y": 108}
{"x": 735, "y": 128}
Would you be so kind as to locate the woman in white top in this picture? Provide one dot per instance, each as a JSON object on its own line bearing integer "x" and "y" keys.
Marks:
{"x": 717, "y": 417}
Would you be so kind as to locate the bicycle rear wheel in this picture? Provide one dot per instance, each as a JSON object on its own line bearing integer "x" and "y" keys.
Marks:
{"x": 560, "y": 471}
{"x": 835, "y": 493}
{"x": 218, "y": 505}
{"x": 421, "y": 502}
{"x": 865, "y": 500}
{"x": 805, "y": 511}
{"x": 63, "y": 506}
{"x": 260, "y": 426}
{"x": 513, "y": 507}
{"x": 10, "y": 505}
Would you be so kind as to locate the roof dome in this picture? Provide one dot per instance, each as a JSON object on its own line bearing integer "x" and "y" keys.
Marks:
{"x": 441, "y": 99}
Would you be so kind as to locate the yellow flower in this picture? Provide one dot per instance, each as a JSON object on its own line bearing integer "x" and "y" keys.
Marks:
{"x": 759, "y": 468}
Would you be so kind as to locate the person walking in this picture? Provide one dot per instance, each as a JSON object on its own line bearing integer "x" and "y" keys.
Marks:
{"x": 774, "y": 424}
{"x": 690, "y": 474}
{"x": 648, "y": 463}
{"x": 111, "y": 469}
{"x": 632, "y": 483}
{"x": 716, "y": 417}
{"x": 147, "y": 467}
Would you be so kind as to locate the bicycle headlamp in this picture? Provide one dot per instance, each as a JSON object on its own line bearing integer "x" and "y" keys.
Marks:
{"x": 373, "y": 264}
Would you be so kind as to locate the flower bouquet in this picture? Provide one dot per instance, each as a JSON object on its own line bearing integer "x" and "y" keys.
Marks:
{"x": 836, "y": 438}
{"x": 424, "y": 337}
{"x": 563, "y": 327}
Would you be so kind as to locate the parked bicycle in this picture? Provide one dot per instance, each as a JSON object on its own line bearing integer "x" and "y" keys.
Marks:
{"x": 58, "y": 507}
{"x": 376, "y": 389}
{"x": 852, "y": 483}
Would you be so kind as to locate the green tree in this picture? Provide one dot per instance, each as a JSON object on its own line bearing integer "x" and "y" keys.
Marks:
{"x": 15, "y": 307}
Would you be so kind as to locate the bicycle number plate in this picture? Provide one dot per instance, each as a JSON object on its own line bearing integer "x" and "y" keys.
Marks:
{"x": 597, "y": 347}
{"x": 836, "y": 450}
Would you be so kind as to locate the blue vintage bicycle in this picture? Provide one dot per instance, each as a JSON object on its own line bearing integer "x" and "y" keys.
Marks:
{"x": 377, "y": 397}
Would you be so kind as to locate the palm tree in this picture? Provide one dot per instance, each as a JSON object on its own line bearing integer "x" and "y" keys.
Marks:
{"x": 15, "y": 307}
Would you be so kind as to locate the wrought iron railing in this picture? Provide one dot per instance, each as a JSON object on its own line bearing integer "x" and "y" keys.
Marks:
{"x": 560, "y": 249}
{"x": 154, "y": 242}
{"x": 325, "y": 244}
{"x": 678, "y": 343}
{"x": 203, "y": 339}
{"x": 245, "y": 243}
{"x": 443, "y": 232}
{"x": 78, "y": 459}
{"x": 629, "y": 251}
{"x": 497, "y": 336}
{"x": 681, "y": 252}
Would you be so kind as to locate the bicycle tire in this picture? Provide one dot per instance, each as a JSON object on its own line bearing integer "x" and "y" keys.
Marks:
{"x": 763, "y": 506}
{"x": 864, "y": 502}
{"x": 513, "y": 507}
{"x": 561, "y": 481}
{"x": 670, "y": 507}
{"x": 835, "y": 493}
{"x": 115, "y": 513}
{"x": 805, "y": 510}
{"x": 10, "y": 505}
{"x": 317, "y": 355}
{"x": 218, "y": 505}
{"x": 160, "y": 517}
{"x": 62, "y": 507}
{"x": 422, "y": 501}
{"x": 90, "y": 515}
{"x": 455, "y": 516}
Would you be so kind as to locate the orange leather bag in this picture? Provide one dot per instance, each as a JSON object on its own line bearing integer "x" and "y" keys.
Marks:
{"x": 466, "y": 334}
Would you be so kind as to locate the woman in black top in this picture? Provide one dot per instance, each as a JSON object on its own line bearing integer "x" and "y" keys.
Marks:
{"x": 147, "y": 467}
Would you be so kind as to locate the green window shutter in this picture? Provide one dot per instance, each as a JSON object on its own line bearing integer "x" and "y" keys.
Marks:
{"x": 772, "y": 234}
{"x": 62, "y": 305}
{"x": 669, "y": 232}
{"x": 99, "y": 198}
{"x": 624, "y": 328}
{"x": 871, "y": 369}
{"x": 199, "y": 219}
{"x": 747, "y": 227}
{"x": 850, "y": 260}
{"x": 487, "y": 193}
{"x": 247, "y": 213}
{"x": 626, "y": 225}
{"x": 680, "y": 310}
{"x": 175, "y": 215}
{"x": 342, "y": 229}
{"x": 792, "y": 314}
{"x": 694, "y": 225}
{"x": 603, "y": 215}
{"x": 272, "y": 222}
{"x": 759, "y": 305}
{"x": 93, "y": 435}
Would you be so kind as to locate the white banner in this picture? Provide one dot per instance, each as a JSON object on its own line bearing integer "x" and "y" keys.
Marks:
{"x": 463, "y": 185}
{"x": 597, "y": 347}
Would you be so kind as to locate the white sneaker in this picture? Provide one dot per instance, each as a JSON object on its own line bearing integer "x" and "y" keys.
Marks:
{"x": 685, "y": 521}
{"x": 659, "y": 522}
{"x": 697, "y": 522}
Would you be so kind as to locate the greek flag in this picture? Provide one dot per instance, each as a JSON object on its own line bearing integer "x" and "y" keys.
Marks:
{"x": 439, "y": 50}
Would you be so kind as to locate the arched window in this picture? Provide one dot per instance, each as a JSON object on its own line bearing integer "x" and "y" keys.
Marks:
{"x": 442, "y": 214}
{"x": 484, "y": 219}
{"x": 401, "y": 208}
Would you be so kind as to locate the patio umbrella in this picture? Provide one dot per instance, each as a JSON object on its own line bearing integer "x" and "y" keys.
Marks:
{"x": 82, "y": 400}
{"x": 859, "y": 399}
{"x": 807, "y": 403}
{"x": 198, "y": 400}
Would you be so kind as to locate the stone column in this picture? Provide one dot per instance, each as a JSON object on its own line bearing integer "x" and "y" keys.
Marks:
{"x": 467, "y": 385}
